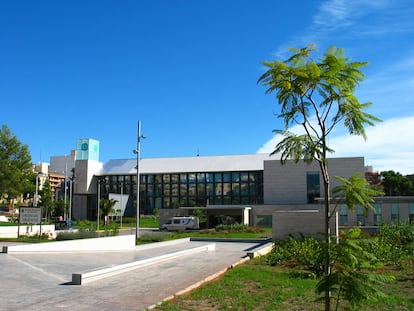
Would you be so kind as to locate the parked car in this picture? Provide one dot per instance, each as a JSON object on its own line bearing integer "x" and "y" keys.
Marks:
{"x": 178, "y": 223}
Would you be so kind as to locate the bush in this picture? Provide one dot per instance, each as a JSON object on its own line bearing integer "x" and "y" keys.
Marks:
{"x": 82, "y": 234}
{"x": 394, "y": 244}
{"x": 303, "y": 252}
{"x": 233, "y": 227}
{"x": 238, "y": 228}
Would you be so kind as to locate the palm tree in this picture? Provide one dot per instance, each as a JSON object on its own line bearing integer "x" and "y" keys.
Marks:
{"x": 107, "y": 207}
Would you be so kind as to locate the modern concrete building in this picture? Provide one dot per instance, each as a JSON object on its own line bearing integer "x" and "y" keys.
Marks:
{"x": 255, "y": 189}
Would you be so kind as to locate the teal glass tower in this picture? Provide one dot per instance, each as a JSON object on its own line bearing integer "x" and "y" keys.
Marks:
{"x": 87, "y": 149}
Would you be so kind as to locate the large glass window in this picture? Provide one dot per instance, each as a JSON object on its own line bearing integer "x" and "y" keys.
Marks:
{"x": 189, "y": 189}
{"x": 313, "y": 186}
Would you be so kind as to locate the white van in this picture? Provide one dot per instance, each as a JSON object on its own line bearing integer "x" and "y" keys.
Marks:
{"x": 181, "y": 223}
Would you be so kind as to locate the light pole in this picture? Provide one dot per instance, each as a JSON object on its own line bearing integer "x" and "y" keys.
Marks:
{"x": 37, "y": 190}
{"x": 122, "y": 195}
{"x": 137, "y": 152}
{"x": 66, "y": 188}
{"x": 99, "y": 201}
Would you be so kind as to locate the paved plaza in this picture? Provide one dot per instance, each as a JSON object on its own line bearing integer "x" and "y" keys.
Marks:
{"x": 42, "y": 281}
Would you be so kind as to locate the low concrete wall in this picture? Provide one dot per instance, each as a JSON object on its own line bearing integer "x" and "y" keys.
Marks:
{"x": 299, "y": 222}
{"x": 83, "y": 278}
{"x": 12, "y": 231}
{"x": 115, "y": 243}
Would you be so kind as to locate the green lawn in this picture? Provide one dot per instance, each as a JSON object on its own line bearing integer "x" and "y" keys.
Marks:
{"x": 257, "y": 286}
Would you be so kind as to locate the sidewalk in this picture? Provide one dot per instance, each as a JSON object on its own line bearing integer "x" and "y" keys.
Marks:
{"x": 43, "y": 281}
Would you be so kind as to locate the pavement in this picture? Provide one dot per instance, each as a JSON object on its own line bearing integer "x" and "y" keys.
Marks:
{"x": 43, "y": 281}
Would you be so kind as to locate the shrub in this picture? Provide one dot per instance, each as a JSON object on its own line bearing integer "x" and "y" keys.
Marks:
{"x": 82, "y": 234}
{"x": 238, "y": 228}
{"x": 304, "y": 252}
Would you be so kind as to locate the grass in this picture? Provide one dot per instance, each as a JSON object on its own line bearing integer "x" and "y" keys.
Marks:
{"x": 255, "y": 233}
{"x": 258, "y": 286}
{"x": 211, "y": 233}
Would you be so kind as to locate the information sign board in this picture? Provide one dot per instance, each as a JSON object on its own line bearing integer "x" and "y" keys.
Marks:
{"x": 30, "y": 215}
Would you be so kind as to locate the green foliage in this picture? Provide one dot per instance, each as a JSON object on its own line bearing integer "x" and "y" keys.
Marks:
{"x": 233, "y": 227}
{"x": 59, "y": 207}
{"x": 107, "y": 207}
{"x": 325, "y": 90}
{"x": 394, "y": 244}
{"x": 395, "y": 184}
{"x": 81, "y": 234}
{"x": 15, "y": 165}
{"x": 304, "y": 252}
{"x": 85, "y": 225}
{"x": 351, "y": 278}
{"x": 355, "y": 191}
{"x": 400, "y": 233}
{"x": 46, "y": 199}
{"x": 355, "y": 260}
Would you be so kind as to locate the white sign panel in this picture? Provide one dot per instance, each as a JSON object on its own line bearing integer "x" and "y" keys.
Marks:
{"x": 30, "y": 215}
{"x": 120, "y": 204}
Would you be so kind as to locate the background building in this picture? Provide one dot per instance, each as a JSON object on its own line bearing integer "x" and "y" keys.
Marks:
{"x": 255, "y": 189}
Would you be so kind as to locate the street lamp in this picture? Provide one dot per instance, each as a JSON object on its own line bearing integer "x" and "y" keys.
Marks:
{"x": 37, "y": 190}
{"x": 137, "y": 152}
{"x": 122, "y": 195}
{"x": 99, "y": 202}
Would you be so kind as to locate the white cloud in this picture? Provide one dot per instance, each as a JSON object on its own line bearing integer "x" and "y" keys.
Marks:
{"x": 388, "y": 147}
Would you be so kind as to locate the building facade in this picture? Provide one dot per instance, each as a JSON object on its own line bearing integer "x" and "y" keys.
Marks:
{"x": 246, "y": 188}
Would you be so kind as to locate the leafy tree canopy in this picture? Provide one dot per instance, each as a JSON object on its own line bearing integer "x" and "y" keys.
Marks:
{"x": 395, "y": 184}
{"x": 317, "y": 94}
{"x": 15, "y": 165}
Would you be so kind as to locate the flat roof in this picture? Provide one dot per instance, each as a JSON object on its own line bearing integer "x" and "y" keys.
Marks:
{"x": 248, "y": 162}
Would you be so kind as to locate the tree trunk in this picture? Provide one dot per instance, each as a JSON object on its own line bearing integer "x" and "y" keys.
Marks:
{"x": 327, "y": 229}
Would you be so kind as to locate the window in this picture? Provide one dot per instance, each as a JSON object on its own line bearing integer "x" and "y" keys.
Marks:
{"x": 343, "y": 215}
{"x": 263, "y": 221}
{"x": 377, "y": 214}
{"x": 189, "y": 189}
{"x": 360, "y": 215}
{"x": 313, "y": 186}
{"x": 411, "y": 212}
{"x": 166, "y": 178}
{"x": 395, "y": 212}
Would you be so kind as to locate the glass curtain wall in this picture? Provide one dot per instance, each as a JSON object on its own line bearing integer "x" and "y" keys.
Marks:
{"x": 189, "y": 189}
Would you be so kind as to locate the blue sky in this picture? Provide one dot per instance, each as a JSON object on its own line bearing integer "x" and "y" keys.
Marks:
{"x": 188, "y": 71}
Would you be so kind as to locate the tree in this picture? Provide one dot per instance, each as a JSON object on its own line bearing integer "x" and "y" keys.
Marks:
{"x": 15, "y": 165}
{"x": 107, "y": 207}
{"x": 46, "y": 199}
{"x": 319, "y": 96}
{"x": 60, "y": 208}
{"x": 395, "y": 184}
{"x": 350, "y": 278}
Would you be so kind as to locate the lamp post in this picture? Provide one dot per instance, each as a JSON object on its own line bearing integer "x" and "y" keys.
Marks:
{"x": 137, "y": 152}
{"x": 37, "y": 190}
{"x": 122, "y": 195}
{"x": 99, "y": 202}
{"x": 65, "y": 194}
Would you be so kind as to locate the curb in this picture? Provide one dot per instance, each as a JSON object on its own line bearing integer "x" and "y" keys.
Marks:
{"x": 232, "y": 240}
